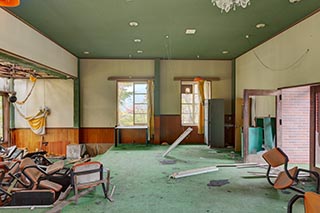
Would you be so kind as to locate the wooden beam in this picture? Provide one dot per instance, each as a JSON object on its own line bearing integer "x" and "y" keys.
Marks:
{"x": 190, "y": 78}
{"x": 129, "y": 78}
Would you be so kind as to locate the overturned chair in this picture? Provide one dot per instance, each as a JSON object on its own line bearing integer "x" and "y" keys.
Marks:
{"x": 311, "y": 202}
{"x": 89, "y": 175}
{"x": 288, "y": 177}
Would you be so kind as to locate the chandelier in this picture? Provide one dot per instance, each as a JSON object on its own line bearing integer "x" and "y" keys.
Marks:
{"x": 226, "y": 5}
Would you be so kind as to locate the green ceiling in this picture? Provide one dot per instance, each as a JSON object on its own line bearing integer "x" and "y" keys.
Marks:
{"x": 101, "y": 26}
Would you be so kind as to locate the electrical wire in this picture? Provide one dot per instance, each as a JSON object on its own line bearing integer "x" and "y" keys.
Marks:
{"x": 297, "y": 61}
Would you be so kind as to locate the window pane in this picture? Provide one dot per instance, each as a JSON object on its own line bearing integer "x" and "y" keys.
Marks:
{"x": 196, "y": 118}
{"x": 132, "y": 99}
{"x": 140, "y": 119}
{"x": 140, "y": 88}
{"x": 186, "y": 98}
{"x": 125, "y": 86}
{"x": 140, "y": 99}
{"x": 186, "y": 109}
{"x": 126, "y": 119}
{"x": 196, "y": 99}
{"x": 196, "y": 108}
{"x": 141, "y": 108}
{"x": 187, "y": 118}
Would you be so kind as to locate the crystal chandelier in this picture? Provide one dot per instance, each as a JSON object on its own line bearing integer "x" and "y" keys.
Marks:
{"x": 226, "y": 5}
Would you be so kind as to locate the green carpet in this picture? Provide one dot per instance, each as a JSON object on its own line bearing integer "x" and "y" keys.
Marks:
{"x": 142, "y": 184}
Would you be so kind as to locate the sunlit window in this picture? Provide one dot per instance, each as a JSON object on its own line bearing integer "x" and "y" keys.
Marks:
{"x": 190, "y": 102}
{"x": 132, "y": 103}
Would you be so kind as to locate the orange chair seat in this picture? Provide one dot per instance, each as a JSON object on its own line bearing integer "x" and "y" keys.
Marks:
{"x": 283, "y": 181}
{"x": 50, "y": 185}
{"x": 311, "y": 202}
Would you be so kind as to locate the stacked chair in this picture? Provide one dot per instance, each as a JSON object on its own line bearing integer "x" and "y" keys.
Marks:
{"x": 32, "y": 179}
{"x": 289, "y": 179}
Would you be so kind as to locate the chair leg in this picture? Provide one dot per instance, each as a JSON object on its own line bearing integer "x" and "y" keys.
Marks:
{"x": 292, "y": 201}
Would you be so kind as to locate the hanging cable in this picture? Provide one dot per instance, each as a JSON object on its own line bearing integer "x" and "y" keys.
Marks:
{"x": 297, "y": 61}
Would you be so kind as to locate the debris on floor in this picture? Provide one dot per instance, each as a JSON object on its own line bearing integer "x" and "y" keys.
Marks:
{"x": 167, "y": 161}
{"x": 218, "y": 182}
{"x": 193, "y": 172}
{"x": 178, "y": 140}
{"x": 236, "y": 164}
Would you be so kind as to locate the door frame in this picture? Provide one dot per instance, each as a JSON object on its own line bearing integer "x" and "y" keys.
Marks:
{"x": 247, "y": 93}
{"x": 314, "y": 90}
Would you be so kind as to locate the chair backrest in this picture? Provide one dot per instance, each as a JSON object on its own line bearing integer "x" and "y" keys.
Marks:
{"x": 88, "y": 172}
{"x": 311, "y": 202}
{"x": 32, "y": 173}
{"x": 275, "y": 157}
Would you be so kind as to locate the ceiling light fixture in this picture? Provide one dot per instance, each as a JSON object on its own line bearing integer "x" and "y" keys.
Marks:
{"x": 86, "y": 52}
{"x": 139, "y": 51}
{"x": 294, "y": 1}
{"x": 260, "y": 25}
{"x": 133, "y": 24}
{"x": 191, "y": 31}
{"x": 137, "y": 40}
{"x": 225, "y": 52}
{"x": 9, "y": 3}
{"x": 226, "y": 5}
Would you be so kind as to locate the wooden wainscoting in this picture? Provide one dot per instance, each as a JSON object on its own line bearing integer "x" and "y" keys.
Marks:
{"x": 171, "y": 129}
{"x": 54, "y": 142}
{"x": 97, "y": 135}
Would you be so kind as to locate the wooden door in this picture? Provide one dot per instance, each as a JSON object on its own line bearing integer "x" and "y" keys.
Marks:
{"x": 314, "y": 128}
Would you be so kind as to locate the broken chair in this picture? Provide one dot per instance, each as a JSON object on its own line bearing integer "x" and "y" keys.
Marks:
{"x": 288, "y": 177}
{"x": 35, "y": 177}
{"x": 87, "y": 175}
{"x": 311, "y": 202}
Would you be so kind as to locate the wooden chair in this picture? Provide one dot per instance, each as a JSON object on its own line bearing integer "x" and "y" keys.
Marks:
{"x": 311, "y": 202}
{"x": 87, "y": 175}
{"x": 288, "y": 177}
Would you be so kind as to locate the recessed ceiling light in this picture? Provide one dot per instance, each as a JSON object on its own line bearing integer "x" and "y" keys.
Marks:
{"x": 133, "y": 24}
{"x": 225, "y": 52}
{"x": 167, "y": 36}
{"x": 191, "y": 31}
{"x": 260, "y": 25}
{"x": 137, "y": 40}
{"x": 139, "y": 51}
{"x": 198, "y": 56}
{"x": 294, "y": 1}
{"x": 86, "y": 52}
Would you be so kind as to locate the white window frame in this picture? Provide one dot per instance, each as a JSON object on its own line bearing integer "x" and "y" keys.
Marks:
{"x": 195, "y": 102}
{"x": 133, "y": 103}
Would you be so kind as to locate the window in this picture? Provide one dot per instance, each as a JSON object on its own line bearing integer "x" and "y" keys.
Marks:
{"x": 132, "y": 103}
{"x": 190, "y": 101}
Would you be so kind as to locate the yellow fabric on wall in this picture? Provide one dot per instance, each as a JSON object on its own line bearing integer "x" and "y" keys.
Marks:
{"x": 37, "y": 122}
{"x": 150, "y": 109}
{"x": 201, "y": 107}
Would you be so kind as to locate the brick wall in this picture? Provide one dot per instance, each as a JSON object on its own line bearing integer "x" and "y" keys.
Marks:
{"x": 295, "y": 123}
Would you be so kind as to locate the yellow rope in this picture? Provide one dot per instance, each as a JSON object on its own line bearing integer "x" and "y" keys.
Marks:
{"x": 33, "y": 80}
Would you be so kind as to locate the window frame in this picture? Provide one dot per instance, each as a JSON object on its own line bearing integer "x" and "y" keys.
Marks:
{"x": 194, "y": 103}
{"x": 5, "y": 118}
{"x": 134, "y": 103}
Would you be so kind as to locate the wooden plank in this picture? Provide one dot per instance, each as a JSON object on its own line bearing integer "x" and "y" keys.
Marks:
{"x": 130, "y": 78}
{"x": 191, "y": 78}
{"x": 192, "y": 172}
{"x": 178, "y": 140}
{"x": 236, "y": 164}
